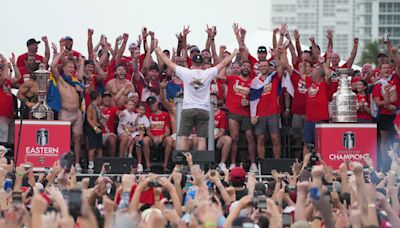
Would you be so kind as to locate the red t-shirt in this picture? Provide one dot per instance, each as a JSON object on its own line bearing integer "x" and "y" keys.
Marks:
{"x": 237, "y": 88}
{"x": 377, "y": 92}
{"x": 111, "y": 118}
{"x": 362, "y": 99}
{"x": 335, "y": 80}
{"x": 300, "y": 94}
{"x": 255, "y": 65}
{"x": 220, "y": 120}
{"x": 21, "y": 60}
{"x": 6, "y": 100}
{"x": 268, "y": 104}
{"x": 127, "y": 62}
{"x": 159, "y": 123}
{"x": 377, "y": 72}
{"x": 147, "y": 197}
{"x": 317, "y": 101}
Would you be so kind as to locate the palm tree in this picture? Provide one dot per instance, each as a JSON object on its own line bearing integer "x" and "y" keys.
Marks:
{"x": 370, "y": 53}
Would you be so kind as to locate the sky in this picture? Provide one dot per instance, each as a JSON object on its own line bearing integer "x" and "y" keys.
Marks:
{"x": 24, "y": 19}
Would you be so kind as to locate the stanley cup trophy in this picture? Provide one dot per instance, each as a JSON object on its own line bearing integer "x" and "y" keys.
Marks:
{"x": 344, "y": 100}
{"x": 41, "y": 111}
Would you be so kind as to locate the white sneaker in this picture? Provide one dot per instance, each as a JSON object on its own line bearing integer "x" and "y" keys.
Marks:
{"x": 222, "y": 166}
{"x": 139, "y": 168}
{"x": 130, "y": 156}
{"x": 253, "y": 168}
{"x": 232, "y": 166}
{"x": 91, "y": 165}
{"x": 78, "y": 168}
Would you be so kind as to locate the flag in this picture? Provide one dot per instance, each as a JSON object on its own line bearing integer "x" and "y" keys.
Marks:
{"x": 256, "y": 90}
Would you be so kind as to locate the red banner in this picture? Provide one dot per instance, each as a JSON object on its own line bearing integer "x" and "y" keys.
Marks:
{"x": 42, "y": 142}
{"x": 338, "y": 142}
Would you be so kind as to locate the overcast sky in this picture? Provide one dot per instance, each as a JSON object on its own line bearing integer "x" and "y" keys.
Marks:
{"x": 24, "y": 19}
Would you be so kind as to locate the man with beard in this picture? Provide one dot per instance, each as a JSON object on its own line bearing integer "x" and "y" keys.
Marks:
{"x": 149, "y": 86}
{"x": 69, "y": 91}
{"x": 28, "y": 91}
{"x": 67, "y": 42}
{"x": 237, "y": 102}
{"x": 264, "y": 108}
{"x": 119, "y": 83}
{"x": 92, "y": 76}
{"x": 32, "y": 45}
{"x": 110, "y": 115}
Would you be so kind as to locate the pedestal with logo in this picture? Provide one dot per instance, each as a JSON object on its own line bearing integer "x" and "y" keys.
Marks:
{"x": 338, "y": 142}
{"x": 42, "y": 142}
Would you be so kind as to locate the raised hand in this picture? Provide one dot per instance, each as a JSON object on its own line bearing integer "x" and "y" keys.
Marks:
{"x": 125, "y": 36}
{"x": 283, "y": 29}
{"x": 243, "y": 32}
{"x": 151, "y": 33}
{"x": 296, "y": 34}
{"x": 179, "y": 36}
{"x": 90, "y": 32}
{"x": 355, "y": 41}
{"x": 144, "y": 33}
{"x": 44, "y": 39}
{"x": 287, "y": 35}
{"x": 12, "y": 59}
{"x": 186, "y": 30}
{"x": 236, "y": 29}
{"x": 275, "y": 30}
{"x": 209, "y": 30}
{"x": 312, "y": 40}
{"x": 329, "y": 34}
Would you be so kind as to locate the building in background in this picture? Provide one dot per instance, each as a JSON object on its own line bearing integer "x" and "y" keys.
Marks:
{"x": 366, "y": 19}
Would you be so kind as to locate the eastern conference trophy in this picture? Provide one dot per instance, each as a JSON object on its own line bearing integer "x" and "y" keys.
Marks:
{"x": 344, "y": 100}
{"x": 41, "y": 111}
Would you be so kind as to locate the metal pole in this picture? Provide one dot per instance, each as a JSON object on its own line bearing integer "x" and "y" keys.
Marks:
{"x": 178, "y": 106}
{"x": 211, "y": 140}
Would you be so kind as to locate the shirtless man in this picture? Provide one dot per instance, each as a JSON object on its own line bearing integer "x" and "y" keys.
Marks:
{"x": 28, "y": 95}
{"x": 118, "y": 83}
{"x": 69, "y": 103}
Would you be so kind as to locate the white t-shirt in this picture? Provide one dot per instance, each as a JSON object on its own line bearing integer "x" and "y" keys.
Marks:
{"x": 126, "y": 118}
{"x": 197, "y": 87}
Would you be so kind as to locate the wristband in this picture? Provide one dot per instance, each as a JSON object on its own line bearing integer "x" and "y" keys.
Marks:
{"x": 210, "y": 224}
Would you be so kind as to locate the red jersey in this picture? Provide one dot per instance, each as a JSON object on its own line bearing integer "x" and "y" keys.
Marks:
{"x": 159, "y": 123}
{"x": 268, "y": 104}
{"x": 110, "y": 116}
{"x": 220, "y": 120}
{"x": 6, "y": 100}
{"x": 300, "y": 94}
{"x": 127, "y": 61}
{"x": 22, "y": 58}
{"x": 377, "y": 72}
{"x": 362, "y": 100}
{"x": 237, "y": 89}
{"x": 146, "y": 197}
{"x": 378, "y": 92}
{"x": 317, "y": 101}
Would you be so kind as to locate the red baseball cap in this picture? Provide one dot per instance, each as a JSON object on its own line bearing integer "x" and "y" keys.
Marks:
{"x": 237, "y": 174}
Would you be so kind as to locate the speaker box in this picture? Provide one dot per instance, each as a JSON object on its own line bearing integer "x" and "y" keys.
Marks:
{"x": 198, "y": 156}
{"x": 117, "y": 165}
{"x": 281, "y": 165}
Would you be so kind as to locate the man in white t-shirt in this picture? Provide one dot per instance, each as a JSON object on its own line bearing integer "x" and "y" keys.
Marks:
{"x": 196, "y": 97}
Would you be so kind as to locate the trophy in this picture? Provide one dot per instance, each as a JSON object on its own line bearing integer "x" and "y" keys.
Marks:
{"x": 41, "y": 111}
{"x": 344, "y": 100}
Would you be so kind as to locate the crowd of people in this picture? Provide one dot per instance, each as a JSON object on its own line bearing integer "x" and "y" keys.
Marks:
{"x": 311, "y": 195}
{"x": 125, "y": 104}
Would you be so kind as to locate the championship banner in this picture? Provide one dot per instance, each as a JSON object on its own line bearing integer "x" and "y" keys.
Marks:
{"x": 338, "y": 142}
{"x": 42, "y": 142}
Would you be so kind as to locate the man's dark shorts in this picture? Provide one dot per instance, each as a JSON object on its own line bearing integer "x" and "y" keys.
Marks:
{"x": 197, "y": 118}
{"x": 385, "y": 122}
{"x": 244, "y": 121}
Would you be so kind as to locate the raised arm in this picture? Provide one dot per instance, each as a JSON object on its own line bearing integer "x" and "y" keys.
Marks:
{"x": 291, "y": 49}
{"x": 353, "y": 54}
{"x": 165, "y": 59}
{"x": 396, "y": 59}
{"x": 17, "y": 77}
{"x": 91, "y": 56}
{"x": 282, "y": 32}
{"x": 329, "y": 36}
{"x": 220, "y": 66}
{"x": 274, "y": 41}
{"x": 121, "y": 50}
{"x": 46, "y": 50}
{"x": 314, "y": 47}
{"x": 54, "y": 65}
{"x": 298, "y": 46}
{"x": 236, "y": 30}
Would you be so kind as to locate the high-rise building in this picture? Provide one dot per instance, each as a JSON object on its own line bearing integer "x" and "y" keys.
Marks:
{"x": 366, "y": 19}
{"x": 313, "y": 18}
